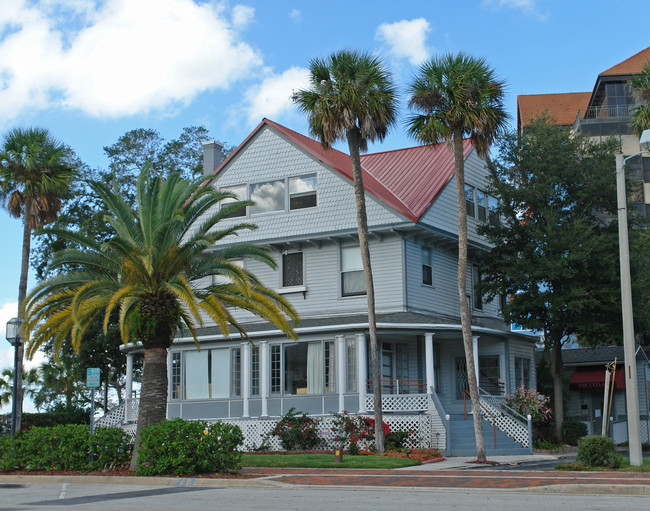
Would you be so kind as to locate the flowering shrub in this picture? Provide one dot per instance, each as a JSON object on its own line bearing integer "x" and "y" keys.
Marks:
{"x": 297, "y": 431}
{"x": 354, "y": 431}
{"x": 183, "y": 447}
{"x": 530, "y": 402}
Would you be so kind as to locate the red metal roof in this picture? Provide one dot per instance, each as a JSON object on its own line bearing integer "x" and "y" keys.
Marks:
{"x": 407, "y": 180}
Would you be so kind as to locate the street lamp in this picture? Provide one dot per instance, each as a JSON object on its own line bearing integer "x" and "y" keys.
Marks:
{"x": 631, "y": 389}
{"x": 13, "y": 336}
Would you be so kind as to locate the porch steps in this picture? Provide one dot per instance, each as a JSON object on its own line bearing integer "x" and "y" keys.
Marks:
{"x": 463, "y": 444}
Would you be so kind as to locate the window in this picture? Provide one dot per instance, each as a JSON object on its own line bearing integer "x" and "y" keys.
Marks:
{"x": 488, "y": 374}
{"x": 176, "y": 375}
{"x": 204, "y": 373}
{"x": 240, "y": 192}
{"x": 276, "y": 374}
{"x": 236, "y": 371}
{"x": 427, "y": 271}
{"x": 309, "y": 367}
{"x": 493, "y": 205}
{"x": 292, "y": 269}
{"x": 268, "y": 197}
{"x": 351, "y": 377}
{"x": 353, "y": 282}
{"x": 302, "y": 192}
{"x": 469, "y": 200}
{"x": 476, "y": 281}
{"x": 522, "y": 372}
{"x": 481, "y": 211}
{"x": 255, "y": 372}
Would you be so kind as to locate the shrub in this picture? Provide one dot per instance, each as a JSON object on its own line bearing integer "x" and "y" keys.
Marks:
{"x": 64, "y": 447}
{"x": 396, "y": 440}
{"x": 573, "y": 430}
{"x": 598, "y": 451}
{"x": 297, "y": 431}
{"x": 530, "y": 402}
{"x": 183, "y": 447}
{"x": 357, "y": 431}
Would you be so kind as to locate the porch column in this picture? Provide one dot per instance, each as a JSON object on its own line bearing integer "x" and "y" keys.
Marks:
{"x": 264, "y": 376}
{"x": 340, "y": 370}
{"x": 475, "y": 349}
{"x": 128, "y": 388}
{"x": 428, "y": 355}
{"x": 362, "y": 371}
{"x": 245, "y": 364}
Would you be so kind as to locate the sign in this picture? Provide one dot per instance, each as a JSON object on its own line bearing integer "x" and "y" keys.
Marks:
{"x": 92, "y": 377}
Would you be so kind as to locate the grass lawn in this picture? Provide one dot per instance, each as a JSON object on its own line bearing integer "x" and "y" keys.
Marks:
{"x": 625, "y": 466}
{"x": 324, "y": 461}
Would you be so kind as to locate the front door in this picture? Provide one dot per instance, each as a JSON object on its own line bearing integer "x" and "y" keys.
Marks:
{"x": 387, "y": 357}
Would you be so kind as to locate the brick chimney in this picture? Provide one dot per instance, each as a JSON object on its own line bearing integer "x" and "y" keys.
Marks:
{"x": 212, "y": 156}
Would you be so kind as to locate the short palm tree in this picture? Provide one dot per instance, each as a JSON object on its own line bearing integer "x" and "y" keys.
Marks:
{"x": 641, "y": 86}
{"x": 35, "y": 174}
{"x": 157, "y": 272}
{"x": 458, "y": 96}
{"x": 351, "y": 97}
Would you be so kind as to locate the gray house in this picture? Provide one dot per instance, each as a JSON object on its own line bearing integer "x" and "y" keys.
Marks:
{"x": 305, "y": 211}
{"x": 585, "y": 371}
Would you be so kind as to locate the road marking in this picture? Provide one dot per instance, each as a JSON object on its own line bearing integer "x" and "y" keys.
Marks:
{"x": 64, "y": 487}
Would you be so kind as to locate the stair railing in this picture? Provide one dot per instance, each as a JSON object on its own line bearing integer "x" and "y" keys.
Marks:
{"x": 494, "y": 422}
{"x": 511, "y": 422}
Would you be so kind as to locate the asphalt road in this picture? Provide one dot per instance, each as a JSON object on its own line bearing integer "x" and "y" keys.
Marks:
{"x": 84, "y": 496}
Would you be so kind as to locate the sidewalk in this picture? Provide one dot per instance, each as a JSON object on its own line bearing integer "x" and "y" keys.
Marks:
{"x": 460, "y": 462}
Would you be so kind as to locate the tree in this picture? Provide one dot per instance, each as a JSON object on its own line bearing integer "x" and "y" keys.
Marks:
{"x": 555, "y": 251}
{"x": 156, "y": 273}
{"x": 641, "y": 86}
{"x": 35, "y": 174}
{"x": 351, "y": 98}
{"x": 456, "y": 96}
{"x": 30, "y": 385}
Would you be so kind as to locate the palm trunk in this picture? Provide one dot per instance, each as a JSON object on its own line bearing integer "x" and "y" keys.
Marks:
{"x": 362, "y": 228}
{"x": 153, "y": 394}
{"x": 555, "y": 365}
{"x": 465, "y": 318}
{"x": 22, "y": 293}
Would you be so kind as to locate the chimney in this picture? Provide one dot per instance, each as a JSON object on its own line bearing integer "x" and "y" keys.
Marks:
{"x": 212, "y": 156}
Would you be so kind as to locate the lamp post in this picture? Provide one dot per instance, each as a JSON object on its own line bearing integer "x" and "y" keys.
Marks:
{"x": 13, "y": 336}
{"x": 631, "y": 388}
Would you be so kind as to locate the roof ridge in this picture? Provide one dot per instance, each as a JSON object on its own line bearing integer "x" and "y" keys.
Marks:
{"x": 607, "y": 71}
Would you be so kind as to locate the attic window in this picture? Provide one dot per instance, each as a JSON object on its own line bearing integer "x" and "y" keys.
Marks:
{"x": 240, "y": 192}
{"x": 268, "y": 196}
{"x": 302, "y": 192}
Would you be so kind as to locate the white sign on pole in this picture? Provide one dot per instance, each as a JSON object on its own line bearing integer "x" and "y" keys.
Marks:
{"x": 92, "y": 377}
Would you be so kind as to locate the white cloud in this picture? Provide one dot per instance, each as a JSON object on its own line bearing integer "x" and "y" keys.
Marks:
{"x": 406, "y": 39}
{"x": 272, "y": 97}
{"x": 295, "y": 15}
{"x": 118, "y": 57}
{"x": 242, "y": 15}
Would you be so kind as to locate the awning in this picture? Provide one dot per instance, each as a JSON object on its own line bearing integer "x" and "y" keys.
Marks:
{"x": 589, "y": 378}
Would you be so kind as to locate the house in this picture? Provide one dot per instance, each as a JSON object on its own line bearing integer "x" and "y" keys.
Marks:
{"x": 605, "y": 111}
{"x": 305, "y": 212}
{"x": 585, "y": 371}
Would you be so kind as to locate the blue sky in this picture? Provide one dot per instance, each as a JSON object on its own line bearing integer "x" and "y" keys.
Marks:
{"x": 91, "y": 70}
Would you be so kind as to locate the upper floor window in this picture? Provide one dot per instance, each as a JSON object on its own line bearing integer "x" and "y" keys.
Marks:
{"x": 302, "y": 192}
{"x": 522, "y": 372}
{"x": 292, "y": 272}
{"x": 493, "y": 206}
{"x": 353, "y": 282}
{"x": 427, "y": 269}
{"x": 240, "y": 192}
{"x": 481, "y": 205}
{"x": 469, "y": 200}
{"x": 268, "y": 196}
{"x": 476, "y": 282}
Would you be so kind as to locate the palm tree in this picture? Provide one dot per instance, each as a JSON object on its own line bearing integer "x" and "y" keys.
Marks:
{"x": 456, "y": 96}
{"x": 31, "y": 385}
{"x": 157, "y": 273}
{"x": 641, "y": 86}
{"x": 351, "y": 98}
{"x": 35, "y": 174}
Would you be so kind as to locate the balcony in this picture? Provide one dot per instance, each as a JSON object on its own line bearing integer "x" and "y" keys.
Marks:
{"x": 604, "y": 120}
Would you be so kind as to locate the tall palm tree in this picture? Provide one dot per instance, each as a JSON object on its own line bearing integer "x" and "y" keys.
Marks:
{"x": 351, "y": 97}
{"x": 35, "y": 174}
{"x": 454, "y": 96}
{"x": 31, "y": 384}
{"x": 641, "y": 86}
{"x": 157, "y": 273}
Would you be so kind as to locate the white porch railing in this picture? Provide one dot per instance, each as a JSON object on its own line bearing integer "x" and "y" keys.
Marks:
{"x": 400, "y": 402}
{"x": 506, "y": 419}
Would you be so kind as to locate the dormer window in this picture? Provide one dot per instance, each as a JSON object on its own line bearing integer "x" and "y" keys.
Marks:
{"x": 268, "y": 196}
{"x": 240, "y": 192}
{"x": 302, "y": 192}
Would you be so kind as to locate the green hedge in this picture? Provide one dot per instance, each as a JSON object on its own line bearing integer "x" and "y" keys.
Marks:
{"x": 65, "y": 447}
{"x": 598, "y": 451}
{"x": 183, "y": 447}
